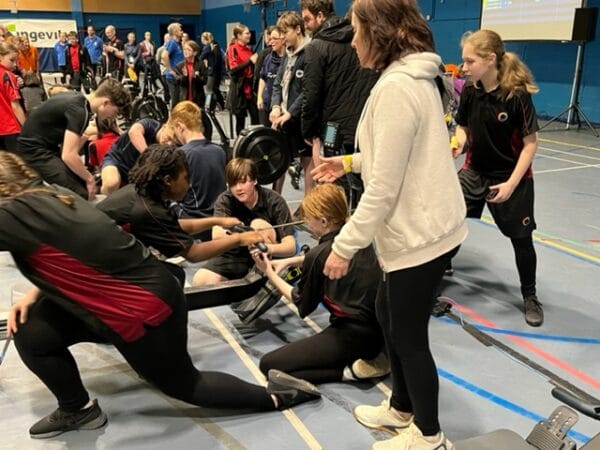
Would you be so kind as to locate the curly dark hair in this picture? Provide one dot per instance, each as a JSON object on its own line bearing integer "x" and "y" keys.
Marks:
{"x": 155, "y": 163}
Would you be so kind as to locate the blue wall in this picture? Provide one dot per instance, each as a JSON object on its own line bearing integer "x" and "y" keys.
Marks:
{"x": 552, "y": 63}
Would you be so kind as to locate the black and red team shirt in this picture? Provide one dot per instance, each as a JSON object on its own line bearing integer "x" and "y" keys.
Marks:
{"x": 44, "y": 131}
{"x": 496, "y": 129}
{"x": 9, "y": 92}
{"x": 151, "y": 222}
{"x": 81, "y": 259}
{"x": 349, "y": 298}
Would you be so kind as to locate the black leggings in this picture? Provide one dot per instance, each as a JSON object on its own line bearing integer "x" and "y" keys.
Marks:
{"x": 526, "y": 263}
{"x": 404, "y": 302}
{"x": 160, "y": 357}
{"x": 321, "y": 358}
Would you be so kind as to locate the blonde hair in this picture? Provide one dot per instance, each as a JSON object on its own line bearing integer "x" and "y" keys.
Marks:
{"x": 208, "y": 37}
{"x": 187, "y": 113}
{"x": 326, "y": 200}
{"x": 513, "y": 74}
{"x": 237, "y": 32}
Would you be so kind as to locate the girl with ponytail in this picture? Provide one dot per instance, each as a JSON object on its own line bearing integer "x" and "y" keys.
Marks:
{"x": 497, "y": 127}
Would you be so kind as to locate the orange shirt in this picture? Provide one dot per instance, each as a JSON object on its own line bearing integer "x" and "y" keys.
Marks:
{"x": 28, "y": 61}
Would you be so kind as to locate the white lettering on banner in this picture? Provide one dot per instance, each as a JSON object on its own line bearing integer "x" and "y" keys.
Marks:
{"x": 41, "y": 33}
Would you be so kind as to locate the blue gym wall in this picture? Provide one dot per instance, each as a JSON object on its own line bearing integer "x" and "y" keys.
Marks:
{"x": 552, "y": 63}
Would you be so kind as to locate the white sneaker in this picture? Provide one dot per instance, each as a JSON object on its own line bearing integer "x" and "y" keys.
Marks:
{"x": 411, "y": 438}
{"x": 363, "y": 369}
{"x": 382, "y": 417}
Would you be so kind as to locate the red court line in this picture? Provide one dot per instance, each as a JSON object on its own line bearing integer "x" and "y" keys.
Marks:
{"x": 532, "y": 348}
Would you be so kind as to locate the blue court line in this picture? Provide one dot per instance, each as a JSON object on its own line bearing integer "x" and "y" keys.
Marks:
{"x": 503, "y": 402}
{"x": 546, "y": 337}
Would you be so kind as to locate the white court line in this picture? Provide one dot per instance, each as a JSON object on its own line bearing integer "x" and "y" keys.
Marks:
{"x": 564, "y": 169}
{"x": 294, "y": 420}
{"x": 595, "y": 158}
{"x": 562, "y": 159}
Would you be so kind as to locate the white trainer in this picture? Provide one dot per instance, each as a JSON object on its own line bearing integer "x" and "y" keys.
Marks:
{"x": 382, "y": 417}
{"x": 363, "y": 369}
{"x": 411, "y": 438}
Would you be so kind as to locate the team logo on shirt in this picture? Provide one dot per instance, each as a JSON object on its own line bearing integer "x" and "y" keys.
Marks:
{"x": 299, "y": 73}
{"x": 502, "y": 116}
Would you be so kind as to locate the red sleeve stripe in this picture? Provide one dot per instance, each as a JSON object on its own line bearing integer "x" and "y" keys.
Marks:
{"x": 122, "y": 306}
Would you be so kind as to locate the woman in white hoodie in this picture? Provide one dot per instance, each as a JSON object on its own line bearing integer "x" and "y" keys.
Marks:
{"x": 412, "y": 208}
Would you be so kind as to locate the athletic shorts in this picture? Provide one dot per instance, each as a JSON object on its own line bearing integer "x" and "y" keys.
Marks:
{"x": 229, "y": 266}
{"x": 109, "y": 160}
{"x": 514, "y": 217}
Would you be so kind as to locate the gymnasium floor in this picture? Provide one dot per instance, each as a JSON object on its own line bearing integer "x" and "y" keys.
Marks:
{"x": 481, "y": 388}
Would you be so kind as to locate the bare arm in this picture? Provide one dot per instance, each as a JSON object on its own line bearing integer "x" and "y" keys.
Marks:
{"x": 461, "y": 138}
{"x": 264, "y": 265}
{"x": 70, "y": 156}
{"x": 136, "y": 135}
{"x": 286, "y": 247}
{"x": 202, "y": 251}
{"x": 18, "y": 110}
{"x": 506, "y": 189}
{"x": 198, "y": 225}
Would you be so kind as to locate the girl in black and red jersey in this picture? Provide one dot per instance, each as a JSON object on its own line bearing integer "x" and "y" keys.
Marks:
{"x": 104, "y": 286}
{"x": 347, "y": 349}
{"x": 11, "y": 110}
{"x": 497, "y": 126}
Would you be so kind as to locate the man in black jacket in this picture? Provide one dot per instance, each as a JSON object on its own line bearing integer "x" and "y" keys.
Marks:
{"x": 335, "y": 87}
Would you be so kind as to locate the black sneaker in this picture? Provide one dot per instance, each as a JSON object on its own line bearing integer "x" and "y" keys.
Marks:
{"x": 290, "y": 391}
{"x": 60, "y": 421}
{"x": 534, "y": 314}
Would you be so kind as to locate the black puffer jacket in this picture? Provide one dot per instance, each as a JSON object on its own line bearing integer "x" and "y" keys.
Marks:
{"x": 335, "y": 87}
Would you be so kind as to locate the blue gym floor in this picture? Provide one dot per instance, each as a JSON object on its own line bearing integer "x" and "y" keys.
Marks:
{"x": 481, "y": 388}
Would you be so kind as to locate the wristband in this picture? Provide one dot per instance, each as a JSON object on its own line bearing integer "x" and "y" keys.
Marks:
{"x": 347, "y": 162}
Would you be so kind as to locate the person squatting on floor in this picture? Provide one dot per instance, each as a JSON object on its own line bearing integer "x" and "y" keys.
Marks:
{"x": 82, "y": 295}
{"x": 412, "y": 207}
{"x": 354, "y": 333}
{"x": 497, "y": 127}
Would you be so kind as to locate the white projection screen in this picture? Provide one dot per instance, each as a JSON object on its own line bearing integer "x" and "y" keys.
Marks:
{"x": 526, "y": 20}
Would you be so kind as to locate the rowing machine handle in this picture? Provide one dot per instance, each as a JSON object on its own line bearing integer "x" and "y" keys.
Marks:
{"x": 241, "y": 228}
{"x": 589, "y": 409}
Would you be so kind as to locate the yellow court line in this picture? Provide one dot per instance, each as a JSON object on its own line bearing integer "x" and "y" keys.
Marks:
{"x": 550, "y": 243}
{"x": 316, "y": 328}
{"x": 570, "y": 144}
{"x": 304, "y": 433}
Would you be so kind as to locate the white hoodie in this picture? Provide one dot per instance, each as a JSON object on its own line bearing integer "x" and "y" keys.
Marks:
{"x": 412, "y": 207}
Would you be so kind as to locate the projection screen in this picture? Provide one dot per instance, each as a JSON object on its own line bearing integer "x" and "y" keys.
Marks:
{"x": 518, "y": 20}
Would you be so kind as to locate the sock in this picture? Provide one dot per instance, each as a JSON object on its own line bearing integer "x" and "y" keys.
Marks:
{"x": 348, "y": 375}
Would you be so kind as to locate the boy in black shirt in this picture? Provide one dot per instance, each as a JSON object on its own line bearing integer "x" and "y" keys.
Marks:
{"x": 54, "y": 133}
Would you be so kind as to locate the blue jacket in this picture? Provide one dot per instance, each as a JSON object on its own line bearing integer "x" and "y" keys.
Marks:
{"x": 94, "y": 47}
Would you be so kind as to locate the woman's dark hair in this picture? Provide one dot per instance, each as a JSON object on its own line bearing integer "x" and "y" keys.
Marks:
{"x": 153, "y": 165}
{"x": 391, "y": 29}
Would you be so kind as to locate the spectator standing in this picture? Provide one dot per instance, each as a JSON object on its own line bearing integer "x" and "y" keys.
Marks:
{"x": 28, "y": 55}
{"x": 60, "y": 49}
{"x": 215, "y": 64}
{"x": 13, "y": 116}
{"x": 93, "y": 43}
{"x": 114, "y": 51}
{"x": 78, "y": 63}
{"x": 170, "y": 57}
{"x": 268, "y": 73}
{"x": 132, "y": 55}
